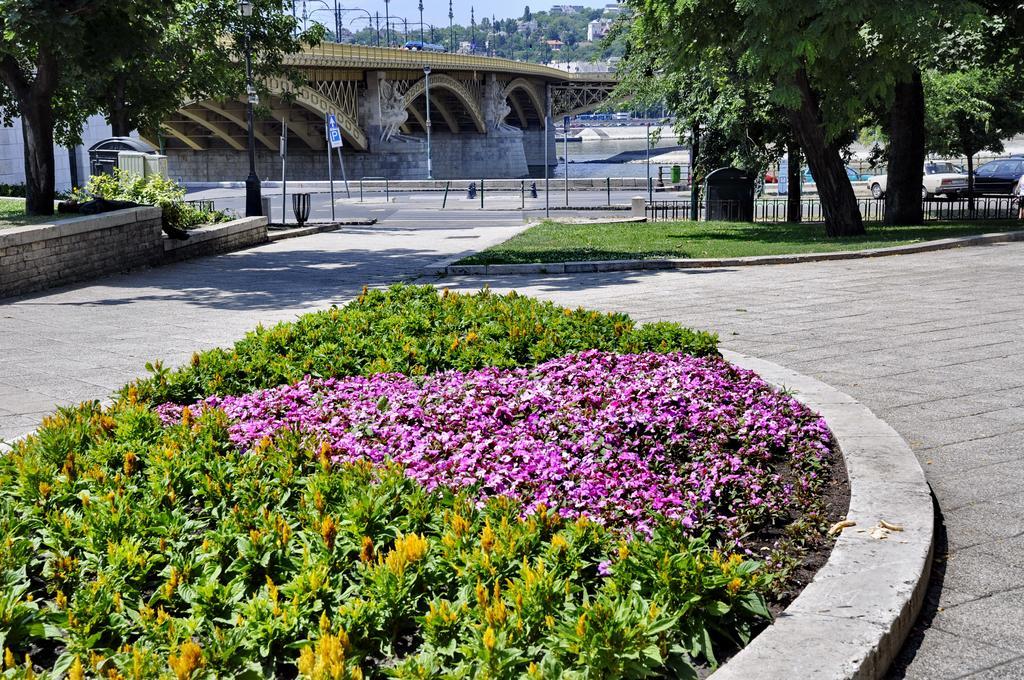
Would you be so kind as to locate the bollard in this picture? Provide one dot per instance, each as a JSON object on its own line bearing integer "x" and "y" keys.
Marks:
{"x": 638, "y": 207}
{"x": 471, "y": 191}
{"x": 533, "y": 190}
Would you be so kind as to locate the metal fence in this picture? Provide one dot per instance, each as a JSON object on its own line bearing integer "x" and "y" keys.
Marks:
{"x": 774, "y": 210}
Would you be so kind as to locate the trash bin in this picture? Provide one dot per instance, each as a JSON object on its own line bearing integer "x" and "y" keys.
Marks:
{"x": 103, "y": 155}
{"x": 300, "y": 206}
{"x": 677, "y": 174}
{"x": 729, "y": 195}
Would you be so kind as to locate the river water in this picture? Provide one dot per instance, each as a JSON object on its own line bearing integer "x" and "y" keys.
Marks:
{"x": 606, "y": 158}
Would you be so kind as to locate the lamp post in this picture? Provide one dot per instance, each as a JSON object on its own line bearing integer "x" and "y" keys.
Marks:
{"x": 421, "y": 23}
{"x": 253, "y": 204}
{"x": 472, "y": 26}
{"x": 387, "y": 22}
{"x": 327, "y": 8}
{"x": 451, "y": 28}
{"x": 426, "y": 82}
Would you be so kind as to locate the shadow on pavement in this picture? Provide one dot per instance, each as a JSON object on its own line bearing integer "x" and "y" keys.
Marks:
{"x": 930, "y": 607}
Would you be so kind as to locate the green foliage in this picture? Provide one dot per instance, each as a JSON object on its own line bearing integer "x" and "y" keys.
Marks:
{"x": 150, "y": 190}
{"x": 522, "y": 39}
{"x": 414, "y": 330}
{"x": 971, "y": 111}
{"x": 14, "y": 190}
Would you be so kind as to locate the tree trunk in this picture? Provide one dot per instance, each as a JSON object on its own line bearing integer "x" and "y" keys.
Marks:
{"x": 794, "y": 205}
{"x": 694, "y": 179}
{"x": 838, "y": 202}
{"x": 906, "y": 154}
{"x": 35, "y": 105}
{"x": 37, "y": 131}
{"x": 118, "y": 115}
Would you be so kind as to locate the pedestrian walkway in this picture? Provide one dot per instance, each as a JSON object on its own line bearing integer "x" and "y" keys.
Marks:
{"x": 931, "y": 342}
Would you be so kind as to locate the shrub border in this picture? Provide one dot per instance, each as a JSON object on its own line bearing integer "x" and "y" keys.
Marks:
{"x": 852, "y": 619}
{"x": 447, "y": 268}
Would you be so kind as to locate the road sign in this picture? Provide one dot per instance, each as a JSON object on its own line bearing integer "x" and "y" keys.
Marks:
{"x": 333, "y": 131}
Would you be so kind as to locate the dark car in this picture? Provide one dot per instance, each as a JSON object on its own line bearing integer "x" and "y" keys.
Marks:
{"x": 999, "y": 176}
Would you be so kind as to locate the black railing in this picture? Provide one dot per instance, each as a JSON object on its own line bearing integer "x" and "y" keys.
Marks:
{"x": 204, "y": 204}
{"x": 772, "y": 210}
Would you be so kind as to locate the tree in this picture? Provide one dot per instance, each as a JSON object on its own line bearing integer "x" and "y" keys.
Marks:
{"x": 527, "y": 14}
{"x": 823, "y": 65}
{"x": 45, "y": 49}
{"x": 972, "y": 110}
{"x": 135, "y": 60}
{"x": 193, "y": 52}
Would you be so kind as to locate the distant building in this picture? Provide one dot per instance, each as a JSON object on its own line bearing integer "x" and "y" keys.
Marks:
{"x": 530, "y": 26}
{"x": 68, "y": 163}
{"x": 598, "y": 29}
{"x": 568, "y": 9}
{"x": 583, "y": 66}
{"x": 555, "y": 45}
{"x": 613, "y": 9}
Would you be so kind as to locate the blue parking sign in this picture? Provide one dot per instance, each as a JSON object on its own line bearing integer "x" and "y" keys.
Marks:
{"x": 333, "y": 131}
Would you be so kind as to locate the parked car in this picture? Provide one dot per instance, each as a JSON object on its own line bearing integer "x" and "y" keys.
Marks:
{"x": 998, "y": 176}
{"x": 771, "y": 178}
{"x": 940, "y": 179}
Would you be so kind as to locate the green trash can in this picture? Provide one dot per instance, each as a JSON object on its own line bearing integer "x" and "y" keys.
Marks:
{"x": 677, "y": 174}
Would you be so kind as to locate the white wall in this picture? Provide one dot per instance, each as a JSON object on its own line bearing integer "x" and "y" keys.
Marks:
{"x": 12, "y": 150}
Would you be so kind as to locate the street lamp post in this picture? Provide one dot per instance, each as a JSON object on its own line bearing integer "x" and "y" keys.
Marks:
{"x": 387, "y": 22}
{"x": 421, "y": 23}
{"x": 426, "y": 82}
{"x": 451, "y": 28}
{"x": 253, "y": 204}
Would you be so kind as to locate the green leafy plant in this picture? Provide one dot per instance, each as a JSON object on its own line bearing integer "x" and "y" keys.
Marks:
{"x": 413, "y": 330}
{"x": 150, "y": 190}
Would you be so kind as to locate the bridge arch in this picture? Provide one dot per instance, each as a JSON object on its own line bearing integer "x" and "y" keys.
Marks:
{"x": 533, "y": 94}
{"x": 460, "y": 92}
{"x": 226, "y": 119}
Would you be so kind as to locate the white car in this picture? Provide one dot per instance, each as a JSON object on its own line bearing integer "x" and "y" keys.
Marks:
{"x": 941, "y": 178}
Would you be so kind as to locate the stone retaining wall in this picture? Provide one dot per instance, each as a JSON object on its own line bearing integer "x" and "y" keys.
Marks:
{"x": 218, "y": 238}
{"x": 46, "y": 255}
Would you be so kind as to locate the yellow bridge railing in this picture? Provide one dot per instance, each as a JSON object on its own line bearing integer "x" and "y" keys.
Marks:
{"x": 331, "y": 55}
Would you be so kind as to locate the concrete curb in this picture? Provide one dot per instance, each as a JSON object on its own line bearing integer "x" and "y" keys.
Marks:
{"x": 667, "y": 263}
{"x": 316, "y": 228}
{"x": 852, "y": 619}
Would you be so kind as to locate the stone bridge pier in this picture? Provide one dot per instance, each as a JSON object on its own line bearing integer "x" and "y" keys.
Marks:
{"x": 486, "y": 118}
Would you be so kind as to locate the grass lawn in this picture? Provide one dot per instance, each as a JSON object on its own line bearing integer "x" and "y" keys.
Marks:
{"x": 12, "y": 214}
{"x": 557, "y": 242}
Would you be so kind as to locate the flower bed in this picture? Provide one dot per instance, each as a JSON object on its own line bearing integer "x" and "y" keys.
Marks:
{"x": 541, "y": 492}
{"x": 625, "y": 440}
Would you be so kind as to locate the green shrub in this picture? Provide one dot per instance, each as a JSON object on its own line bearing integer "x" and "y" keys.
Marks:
{"x": 152, "y": 190}
{"x": 13, "y": 190}
{"x": 413, "y": 330}
{"x": 140, "y": 549}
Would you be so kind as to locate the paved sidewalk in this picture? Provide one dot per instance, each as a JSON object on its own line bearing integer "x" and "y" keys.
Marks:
{"x": 931, "y": 342}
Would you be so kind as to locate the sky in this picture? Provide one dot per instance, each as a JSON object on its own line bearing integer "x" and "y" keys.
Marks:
{"x": 434, "y": 11}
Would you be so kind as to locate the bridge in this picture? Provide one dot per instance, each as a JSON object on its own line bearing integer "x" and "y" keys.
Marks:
{"x": 486, "y": 117}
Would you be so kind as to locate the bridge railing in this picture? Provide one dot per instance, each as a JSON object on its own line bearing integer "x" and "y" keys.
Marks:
{"x": 365, "y": 56}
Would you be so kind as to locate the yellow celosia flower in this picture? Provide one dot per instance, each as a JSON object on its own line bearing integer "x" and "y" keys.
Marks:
{"x": 188, "y": 660}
